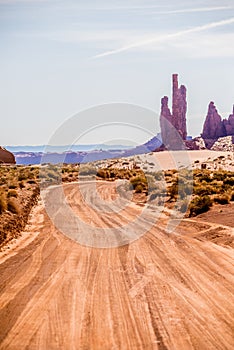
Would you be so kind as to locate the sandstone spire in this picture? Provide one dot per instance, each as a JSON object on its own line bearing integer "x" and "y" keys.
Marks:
{"x": 176, "y": 120}
{"x": 229, "y": 124}
{"x": 214, "y": 127}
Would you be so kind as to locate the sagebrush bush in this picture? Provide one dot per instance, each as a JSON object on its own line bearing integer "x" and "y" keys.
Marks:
{"x": 87, "y": 170}
{"x": 103, "y": 173}
{"x": 222, "y": 199}
{"x": 199, "y": 204}
{"x": 139, "y": 183}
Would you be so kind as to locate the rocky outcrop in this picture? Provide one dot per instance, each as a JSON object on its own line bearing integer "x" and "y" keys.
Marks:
{"x": 195, "y": 144}
{"x": 229, "y": 124}
{"x": 224, "y": 144}
{"x": 214, "y": 127}
{"x": 173, "y": 125}
{"x": 6, "y": 157}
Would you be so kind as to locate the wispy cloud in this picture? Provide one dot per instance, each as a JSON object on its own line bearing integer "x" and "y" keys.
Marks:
{"x": 6, "y": 2}
{"x": 195, "y": 10}
{"x": 203, "y": 46}
{"x": 165, "y": 38}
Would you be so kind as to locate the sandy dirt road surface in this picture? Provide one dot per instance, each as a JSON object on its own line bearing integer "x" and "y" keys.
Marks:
{"x": 161, "y": 291}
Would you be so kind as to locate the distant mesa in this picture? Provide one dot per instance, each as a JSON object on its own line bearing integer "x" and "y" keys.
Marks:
{"x": 173, "y": 124}
{"x": 214, "y": 127}
{"x": 6, "y": 157}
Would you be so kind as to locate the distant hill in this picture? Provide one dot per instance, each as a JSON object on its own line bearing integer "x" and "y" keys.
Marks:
{"x": 85, "y": 156}
{"x": 65, "y": 148}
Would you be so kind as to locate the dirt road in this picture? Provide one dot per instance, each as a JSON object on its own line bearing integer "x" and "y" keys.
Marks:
{"x": 162, "y": 291}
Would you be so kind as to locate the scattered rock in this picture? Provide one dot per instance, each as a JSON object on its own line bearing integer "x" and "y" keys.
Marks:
{"x": 224, "y": 144}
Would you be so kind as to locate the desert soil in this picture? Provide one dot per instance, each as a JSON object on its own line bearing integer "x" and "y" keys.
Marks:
{"x": 162, "y": 291}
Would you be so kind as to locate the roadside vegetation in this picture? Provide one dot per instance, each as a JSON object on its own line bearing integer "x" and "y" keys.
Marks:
{"x": 187, "y": 192}
{"x": 19, "y": 191}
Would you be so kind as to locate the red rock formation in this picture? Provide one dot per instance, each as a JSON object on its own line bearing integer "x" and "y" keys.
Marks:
{"x": 179, "y": 107}
{"x": 229, "y": 124}
{"x": 174, "y": 123}
{"x": 214, "y": 127}
{"x": 6, "y": 156}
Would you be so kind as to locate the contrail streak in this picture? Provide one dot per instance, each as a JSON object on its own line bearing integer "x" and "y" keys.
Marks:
{"x": 198, "y": 9}
{"x": 163, "y": 38}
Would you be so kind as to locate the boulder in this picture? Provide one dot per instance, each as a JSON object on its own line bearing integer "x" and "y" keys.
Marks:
{"x": 6, "y": 157}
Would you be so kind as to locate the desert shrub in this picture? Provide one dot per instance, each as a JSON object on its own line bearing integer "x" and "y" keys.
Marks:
{"x": 21, "y": 184}
{"x": 22, "y": 176}
{"x": 13, "y": 206}
{"x": 103, "y": 173}
{"x": 229, "y": 181}
{"x": 206, "y": 177}
{"x": 199, "y": 204}
{"x": 232, "y": 197}
{"x": 219, "y": 175}
{"x": 203, "y": 189}
{"x": 173, "y": 190}
{"x": 12, "y": 193}
{"x": 3, "y": 180}
{"x": 222, "y": 199}
{"x": 87, "y": 170}
{"x": 31, "y": 182}
{"x": 12, "y": 186}
{"x": 140, "y": 188}
{"x": 3, "y": 203}
{"x": 139, "y": 183}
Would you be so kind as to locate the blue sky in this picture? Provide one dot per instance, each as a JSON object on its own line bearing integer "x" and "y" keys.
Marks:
{"x": 60, "y": 57}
